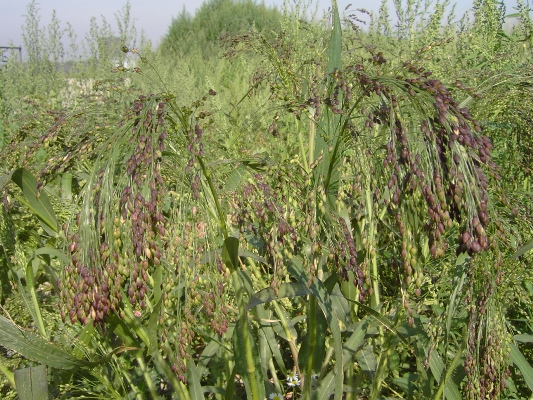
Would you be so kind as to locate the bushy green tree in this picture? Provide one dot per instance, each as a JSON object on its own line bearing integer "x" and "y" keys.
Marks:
{"x": 201, "y": 33}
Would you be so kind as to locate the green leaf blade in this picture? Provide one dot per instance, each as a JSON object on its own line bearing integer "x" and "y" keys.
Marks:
{"x": 35, "y": 348}
{"x": 518, "y": 359}
{"x": 335, "y": 45}
{"x": 230, "y": 253}
{"x": 37, "y": 202}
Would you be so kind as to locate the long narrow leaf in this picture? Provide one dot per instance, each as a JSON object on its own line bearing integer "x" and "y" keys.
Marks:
{"x": 523, "y": 338}
{"x": 335, "y": 44}
{"x": 246, "y": 353}
{"x": 35, "y": 348}
{"x": 30, "y": 286}
{"x": 333, "y": 322}
{"x": 291, "y": 289}
{"x": 50, "y": 251}
{"x": 230, "y": 253}
{"x": 242, "y": 344}
{"x": 351, "y": 347}
{"x": 270, "y": 338}
{"x": 38, "y": 203}
{"x": 451, "y": 391}
{"x": 382, "y": 319}
{"x": 437, "y": 369}
{"x": 194, "y": 377}
{"x": 522, "y": 364}
{"x": 152, "y": 327}
{"x": 522, "y": 250}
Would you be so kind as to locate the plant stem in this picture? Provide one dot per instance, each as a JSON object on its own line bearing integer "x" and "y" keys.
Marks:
{"x": 302, "y": 146}
{"x": 133, "y": 386}
{"x": 273, "y": 371}
{"x": 146, "y": 375}
{"x": 245, "y": 329}
{"x": 311, "y": 142}
{"x": 306, "y": 383}
{"x": 350, "y": 381}
{"x": 40, "y": 322}
{"x": 378, "y": 378}
{"x": 371, "y": 229}
{"x": 8, "y": 374}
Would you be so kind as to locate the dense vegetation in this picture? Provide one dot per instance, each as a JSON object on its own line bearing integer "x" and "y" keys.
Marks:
{"x": 270, "y": 205}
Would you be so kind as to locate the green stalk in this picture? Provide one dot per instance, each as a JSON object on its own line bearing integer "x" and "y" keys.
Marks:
{"x": 139, "y": 330}
{"x": 40, "y": 322}
{"x": 8, "y": 374}
{"x": 302, "y": 147}
{"x": 146, "y": 375}
{"x": 290, "y": 338}
{"x": 30, "y": 283}
{"x": 378, "y": 378}
{"x": 350, "y": 381}
{"x": 312, "y": 345}
{"x": 325, "y": 363}
{"x": 375, "y": 284}
{"x": 245, "y": 329}
{"x": 237, "y": 285}
{"x": 450, "y": 370}
{"x": 273, "y": 371}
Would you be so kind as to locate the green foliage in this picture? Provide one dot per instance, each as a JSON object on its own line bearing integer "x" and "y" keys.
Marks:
{"x": 199, "y": 36}
{"x": 316, "y": 215}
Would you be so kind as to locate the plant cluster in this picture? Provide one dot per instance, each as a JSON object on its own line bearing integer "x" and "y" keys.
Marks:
{"x": 346, "y": 228}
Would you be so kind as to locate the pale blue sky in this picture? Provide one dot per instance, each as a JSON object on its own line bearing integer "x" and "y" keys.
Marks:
{"x": 152, "y": 16}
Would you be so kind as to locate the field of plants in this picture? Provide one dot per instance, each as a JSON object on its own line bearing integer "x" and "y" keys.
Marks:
{"x": 271, "y": 204}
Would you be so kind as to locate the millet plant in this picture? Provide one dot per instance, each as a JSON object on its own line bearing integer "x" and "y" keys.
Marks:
{"x": 360, "y": 259}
